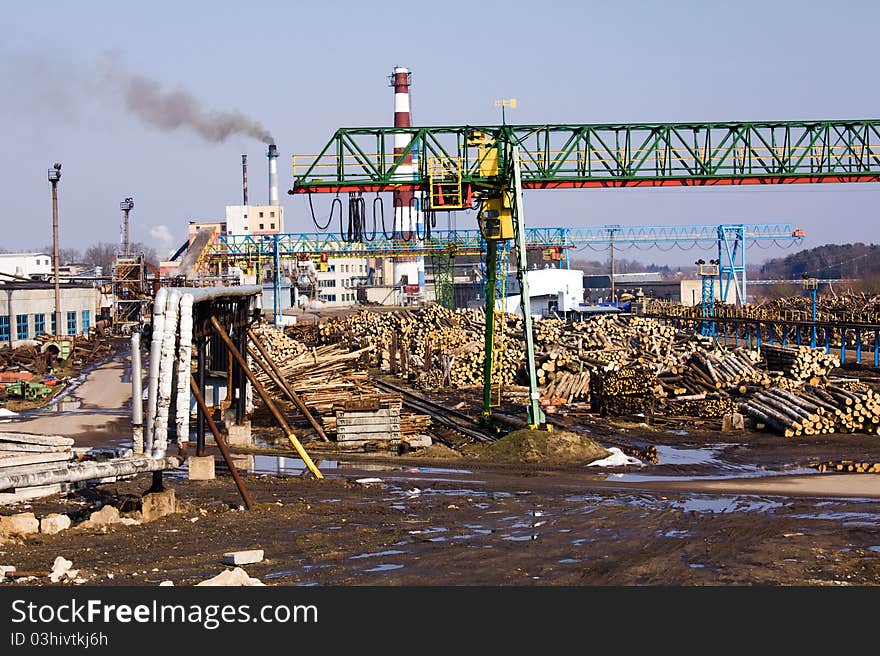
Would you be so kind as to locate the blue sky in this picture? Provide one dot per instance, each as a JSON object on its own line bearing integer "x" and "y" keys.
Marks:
{"x": 305, "y": 69}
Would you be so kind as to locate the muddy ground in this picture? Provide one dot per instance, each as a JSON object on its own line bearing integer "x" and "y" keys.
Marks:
{"x": 731, "y": 509}
{"x": 463, "y": 523}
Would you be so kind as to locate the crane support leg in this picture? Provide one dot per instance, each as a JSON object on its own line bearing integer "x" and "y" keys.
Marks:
{"x": 535, "y": 413}
{"x": 491, "y": 275}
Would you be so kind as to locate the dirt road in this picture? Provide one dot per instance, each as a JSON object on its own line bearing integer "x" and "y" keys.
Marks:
{"x": 95, "y": 410}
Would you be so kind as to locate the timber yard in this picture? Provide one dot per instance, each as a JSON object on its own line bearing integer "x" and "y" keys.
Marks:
{"x": 391, "y": 399}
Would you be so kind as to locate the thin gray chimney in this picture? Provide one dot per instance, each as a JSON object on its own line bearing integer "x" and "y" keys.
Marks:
{"x": 273, "y": 174}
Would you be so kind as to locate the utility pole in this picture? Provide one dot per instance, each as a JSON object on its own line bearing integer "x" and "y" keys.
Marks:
{"x": 126, "y": 206}
{"x": 54, "y": 177}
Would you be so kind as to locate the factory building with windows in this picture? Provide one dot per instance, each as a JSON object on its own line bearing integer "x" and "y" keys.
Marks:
{"x": 27, "y": 310}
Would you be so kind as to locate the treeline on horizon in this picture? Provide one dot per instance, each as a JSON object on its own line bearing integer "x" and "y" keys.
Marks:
{"x": 854, "y": 261}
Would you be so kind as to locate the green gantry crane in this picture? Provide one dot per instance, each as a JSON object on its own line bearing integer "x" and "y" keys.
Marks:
{"x": 487, "y": 168}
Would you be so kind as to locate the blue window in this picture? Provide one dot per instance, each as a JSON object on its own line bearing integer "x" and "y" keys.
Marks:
{"x": 54, "y": 324}
{"x": 331, "y": 298}
{"x": 21, "y": 326}
{"x": 71, "y": 323}
{"x": 39, "y": 324}
{"x": 86, "y": 321}
{"x": 4, "y": 329}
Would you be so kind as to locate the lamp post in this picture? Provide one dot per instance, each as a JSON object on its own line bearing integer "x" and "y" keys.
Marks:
{"x": 54, "y": 177}
{"x": 126, "y": 206}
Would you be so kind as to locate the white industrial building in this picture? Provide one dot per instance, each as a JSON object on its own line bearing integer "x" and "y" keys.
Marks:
{"x": 26, "y": 265}
{"x": 28, "y": 310}
{"x": 549, "y": 289}
{"x": 254, "y": 219}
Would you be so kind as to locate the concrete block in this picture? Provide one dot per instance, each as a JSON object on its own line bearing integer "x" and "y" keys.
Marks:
{"x": 242, "y": 557}
{"x": 20, "y": 524}
{"x": 4, "y": 569}
{"x": 239, "y": 434}
{"x": 731, "y": 422}
{"x": 418, "y": 441}
{"x": 158, "y": 504}
{"x": 103, "y": 517}
{"x": 54, "y": 523}
{"x": 201, "y": 468}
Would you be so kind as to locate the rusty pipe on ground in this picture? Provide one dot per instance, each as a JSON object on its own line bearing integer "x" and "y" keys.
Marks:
{"x": 282, "y": 384}
{"x": 221, "y": 443}
{"x": 239, "y": 358}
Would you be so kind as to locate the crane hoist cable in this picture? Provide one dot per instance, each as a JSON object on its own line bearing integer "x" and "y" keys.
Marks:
{"x": 356, "y": 218}
{"x": 405, "y": 236}
{"x": 337, "y": 202}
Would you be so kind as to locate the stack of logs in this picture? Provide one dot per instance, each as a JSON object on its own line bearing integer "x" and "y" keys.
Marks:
{"x": 817, "y": 409}
{"x": 325, "y": 377}
{"x": 799, "y": 362}
{"x": 624, "y": 365}
{"x": 849, "y": 466}
{"x": 627, "y": 391}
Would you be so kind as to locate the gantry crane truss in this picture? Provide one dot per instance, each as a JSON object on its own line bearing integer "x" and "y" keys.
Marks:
{"x": 454, "y": 167}
{"x": 730, "y": 239}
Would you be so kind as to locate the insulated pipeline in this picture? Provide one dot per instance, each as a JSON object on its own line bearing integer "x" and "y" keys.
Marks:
{"x": 159, "y": 304}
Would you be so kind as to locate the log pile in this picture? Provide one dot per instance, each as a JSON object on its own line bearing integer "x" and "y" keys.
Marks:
{"x": 799, "y": 362}
{"x": 626, "y": 391}
{"x": 328, "y": 378}
{"x": 700, "y": 371}
{"x": 816, "y": 410}
{"x": 278, "y": 343}
{"x": 848, "y": 466}
{"x": 703, "y": 405}
{"x": 622, "y": 364}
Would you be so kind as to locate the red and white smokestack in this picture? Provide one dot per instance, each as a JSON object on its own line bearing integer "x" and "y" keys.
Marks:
{"x": 407, "y": 214}
{"x": 273, "y": 174}
{"x": 400, "y": 80}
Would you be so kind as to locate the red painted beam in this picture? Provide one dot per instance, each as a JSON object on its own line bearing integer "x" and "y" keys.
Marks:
{"x": 700, "y": 182}
{"x": 612, "y": 183}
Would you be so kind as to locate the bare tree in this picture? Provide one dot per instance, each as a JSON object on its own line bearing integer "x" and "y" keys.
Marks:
{"x": 103, "y": 254}
{"x": 65, "y": 255}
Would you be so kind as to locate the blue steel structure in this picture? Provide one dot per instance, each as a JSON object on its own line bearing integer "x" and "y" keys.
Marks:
{"x": 729, "y": 239}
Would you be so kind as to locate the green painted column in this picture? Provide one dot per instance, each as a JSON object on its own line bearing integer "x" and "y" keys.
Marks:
{"x": 491, "y": 274}
{"x": 535, "y": 412}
